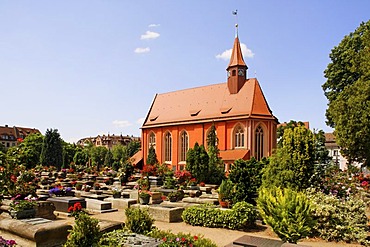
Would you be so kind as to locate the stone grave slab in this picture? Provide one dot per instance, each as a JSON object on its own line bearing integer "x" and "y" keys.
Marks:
{"x": 63, "y": 203}
{"x": 36, "y": 232}
{"x": 98, "y": 206}
{"x": 163, "y": 213}
{"x": 93, "y": 196}
{"x": 200, "y": 200}
{"x": 207, "y": 190}
{"x": 121, "y": 203}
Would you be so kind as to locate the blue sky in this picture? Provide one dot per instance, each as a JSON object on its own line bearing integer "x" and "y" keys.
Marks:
{"x": 90, "y": 67}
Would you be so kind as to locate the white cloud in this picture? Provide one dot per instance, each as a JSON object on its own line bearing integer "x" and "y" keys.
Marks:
{"x": 121, "y": 123}
{"x": 150, "y": 35}
{"x": 154, "y": 25}
{"x": 140, "y": 121}
{"x": 142, "y": 50}
{"x": 227, "y": 54}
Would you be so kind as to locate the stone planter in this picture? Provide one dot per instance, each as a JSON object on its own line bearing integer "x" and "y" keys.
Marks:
{"x": 144, "y": 200}
{"x": 24, "y": 214}
{"x": 224, "y": 204}
{"x": 117, "y": 195}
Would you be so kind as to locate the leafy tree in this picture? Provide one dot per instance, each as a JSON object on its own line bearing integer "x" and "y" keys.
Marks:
{"x": 132, "y": 148}
{"x": 108, "y": 160}
{"x": 197, "y": 162}
{"x": 152, "y": 157}
{"x": 246, "y": 175}
{"x": 81, "y": 157}
{"x": 69, "y": 151}
{"x": 293, "y": 163}
{"x": 2, "y": 148}
{"x": 215, "y": 166}
{"x": 98, "y": 156}
{"x": 119, "y": 153}
{"x": 347, "y": 89}
{"x": 52, "y": 149}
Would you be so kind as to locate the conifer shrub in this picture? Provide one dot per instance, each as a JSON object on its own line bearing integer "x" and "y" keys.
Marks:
{"x": 339, "y": 219}
{"x": 85, "y": 232}
{"x": 241, "y": 216}
{"x": 138, "y": 220}
{"x": 288, "y": 212}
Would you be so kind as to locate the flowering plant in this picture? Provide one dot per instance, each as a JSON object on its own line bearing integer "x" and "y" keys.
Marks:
{"x": 179, "y": 240}
{"x": 116, "y": 191}
{"x": 6, "y": 243}
{"x": 20, "y": 205}
{"x": 59, "y": 190}
{"x": 76, "y": 209}
{"x": 144, "y": 194}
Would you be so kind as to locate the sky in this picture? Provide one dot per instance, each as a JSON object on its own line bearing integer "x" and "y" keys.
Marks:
{"x": 90, "y": 67}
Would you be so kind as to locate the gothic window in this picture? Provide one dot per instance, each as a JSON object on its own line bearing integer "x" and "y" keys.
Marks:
{"x": 167, "y": 147}
{"x": 152, "y": 140}
{"x": 184, "y": 145}
{"x": 259, "y": 143}
{"x": 239, "y": 137}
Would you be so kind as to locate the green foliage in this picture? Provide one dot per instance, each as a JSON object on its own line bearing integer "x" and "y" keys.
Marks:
{"x": 215, "y": 164}
{"x": 225, "y": 190}
{"x": 69, "y": 151}
{"x": 52, "y": 149}
{"x": 347, "y": 89}
{"x": 241, "y": 216}
{"x": 293, "y": 163}
{"x": 138, "y": 220}
{"x": 180, "y": 239}
{"x": 247, "y": 177}
{"x": 81, "y": 157}
{"x": 197, "y": 162}
{"x": 169, "y": 180}
{"x": 114, "y": 238}
{"x": 132, "y": 148}
{"x": 108, "y": 160}
{"x": 288, "y": 213}
{"x": 98, "y": 156}
{"x": 85, "y": 232}
{"x": 152, "y": 157}
{"x": 125, "y": 172}
{"x": 338, "y": 219}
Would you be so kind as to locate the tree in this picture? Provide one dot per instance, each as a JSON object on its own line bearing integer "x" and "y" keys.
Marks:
{"x": 152, "y": 157}
{"x": 293, "y": 163}
{"x": 81, "y": 157}
{"x": 197, "y": 162}
{"x": 108, "y": 160}
{"x": 98, "y": 156}
{"x": 132, "y": 148}
{"x": 247, "y": 177}
{"x": 69, "y": 151}
{"x": 215, "y": 164}
{"x": 52, "y": 150}
{"x": 347, "y": 89}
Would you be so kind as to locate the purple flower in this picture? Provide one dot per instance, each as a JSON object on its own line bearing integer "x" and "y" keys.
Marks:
{"x": 177, "y": 239}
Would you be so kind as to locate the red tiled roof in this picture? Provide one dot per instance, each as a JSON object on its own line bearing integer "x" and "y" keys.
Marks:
{"x": 136, "y": 158}
{"x": 231, "y": 155}
{"x": 208, "y": 103}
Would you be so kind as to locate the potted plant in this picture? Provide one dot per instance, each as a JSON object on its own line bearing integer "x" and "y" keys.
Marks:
{"x": 116, "y": 193}
{"x": 175, "y": 196}
{"x": 21, "y": 209}
{"x": 144, "y": 196}
{"x": 224, "y": 193}
{"x": 78, "y": 186}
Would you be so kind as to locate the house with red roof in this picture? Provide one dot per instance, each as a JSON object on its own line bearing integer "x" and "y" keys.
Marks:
{"x": 244, "y": 122}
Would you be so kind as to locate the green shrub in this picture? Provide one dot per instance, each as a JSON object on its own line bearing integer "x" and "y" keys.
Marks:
{"x": 180, "y": 239}
{"x": 85, "y": 232}
{"x": 114, "y": 238}
{"x": 288, "y": 213}
{"x": 138, "y": 220}
{"x": 241, "y": 216}
{"x": 339, "y": 219}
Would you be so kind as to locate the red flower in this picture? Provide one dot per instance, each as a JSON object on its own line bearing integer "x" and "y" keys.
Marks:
{"x": 164, "y": 239}
{"x": 183, "y": 239}
{"x": 364, "y": 183}
{"x": 13, "y": 178}
{"x": 70, "y": 209}
{"x": 195, "y": 237}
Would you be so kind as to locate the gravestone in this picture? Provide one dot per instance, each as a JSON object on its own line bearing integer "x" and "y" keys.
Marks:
{"x": 63, "y": 203}
{"x": 98, "y": 206}
{"x": 121, "y": 203}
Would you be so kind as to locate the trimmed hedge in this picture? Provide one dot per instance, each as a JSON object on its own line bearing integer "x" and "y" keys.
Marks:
{"x": 242, "y": 216}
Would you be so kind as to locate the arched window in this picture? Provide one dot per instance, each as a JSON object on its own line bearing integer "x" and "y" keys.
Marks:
{"x": 259, "y": 143}
{"x": 151, "y": 141}
{"x": 239, "y": 137}
{"x": 167, "y": 147}
{"x": 184, "y": 145}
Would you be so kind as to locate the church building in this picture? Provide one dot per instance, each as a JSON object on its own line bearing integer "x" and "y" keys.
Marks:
{"x": 245, "y": 125}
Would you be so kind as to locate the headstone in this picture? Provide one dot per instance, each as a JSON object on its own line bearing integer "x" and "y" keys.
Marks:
{"x": 121, "y": 203}
{"x": 63, "y": 203}
{"x": 98, "y": 206}
{"x": 45, "y": 210}
{"x": 156, "y": 198}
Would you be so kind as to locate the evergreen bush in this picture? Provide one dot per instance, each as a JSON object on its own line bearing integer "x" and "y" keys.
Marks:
{"x": 288, "y": 212}
{"x": 85, "y": 232}
{"x": 241, "y": 216}
{"x": 138, "y": 220}
{"x": 339, "y": 219}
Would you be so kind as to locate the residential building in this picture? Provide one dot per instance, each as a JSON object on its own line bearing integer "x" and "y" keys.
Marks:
{"x": 108, "y": 141}
{"x": 335, "y": 152}
{"x": 244, "y": 122}
{"x": 11, "y": 136}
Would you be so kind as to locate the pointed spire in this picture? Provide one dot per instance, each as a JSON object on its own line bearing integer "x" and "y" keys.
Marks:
{"x": 236, "y": 55}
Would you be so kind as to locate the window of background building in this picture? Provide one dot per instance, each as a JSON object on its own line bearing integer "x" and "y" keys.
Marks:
{"x": 152, "y": 140}
{"x": 184, "y": 145}
{"x": 168, "y": 147}
{"x": 259, "y": 143}
{"x": 239, "y": 137}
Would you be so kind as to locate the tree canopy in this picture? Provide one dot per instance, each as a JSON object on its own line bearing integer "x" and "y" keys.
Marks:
{"x": 52, "y": 149}
{"x": 347, "y": 89}
{"x": 197, "y": 162}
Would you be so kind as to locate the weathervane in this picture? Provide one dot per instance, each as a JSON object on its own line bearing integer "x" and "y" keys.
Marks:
{"x": 236, "y": 24}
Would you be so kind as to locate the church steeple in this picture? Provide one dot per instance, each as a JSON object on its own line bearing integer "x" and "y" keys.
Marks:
{"x": 237, "y": 69}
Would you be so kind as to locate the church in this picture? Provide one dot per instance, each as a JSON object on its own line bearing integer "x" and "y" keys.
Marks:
{"x": 245, "y": 125}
